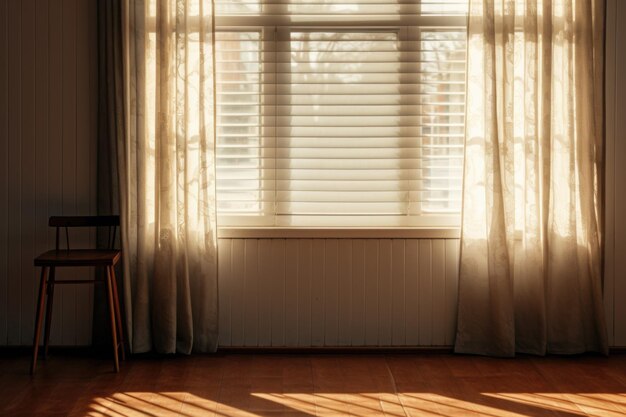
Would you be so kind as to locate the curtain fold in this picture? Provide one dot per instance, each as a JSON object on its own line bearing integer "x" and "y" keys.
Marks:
{"x": 166, "y": 169}
{"x": 111, "y": 128}
{"x": 530, "y": 269}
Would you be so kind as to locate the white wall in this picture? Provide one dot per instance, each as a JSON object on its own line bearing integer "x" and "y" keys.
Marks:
{"x": 295, "y": 292}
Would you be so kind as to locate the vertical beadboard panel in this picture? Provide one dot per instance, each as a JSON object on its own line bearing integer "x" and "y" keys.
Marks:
{"x": 609, "y": 237}
{"x": 67, "y": 293}
{"x": 48, "y": 110}
{"x": 337, "y": 292}
{"x": 451, "y": 294}
{"x": 55, "y": 143}
{"x": 265, "y": 292}
{"x": 385, "y": 318}
{"x": 344, "y": 287}
{"x": 14, "y": 273}
{"x": 398, "y": 289}
{"x": 619, "y": 139}
{"x": 42, "y": 80}
{"x": 424, "y": 293}
{"x": 317, "y": 293}
{"x": 27, "y": 163}
{"x": 291, "y": 293}
{"x": 331, "y": 292}
{"x": 237, "y": 300}
{"x": 371, "y": 291}
{"x": 277, "y": 284}
{"x": 438, "y": 297}
{"x": 84, "y": 293}
{"x": 305, "y": 263}
{"x": 224, "y": 291}
{"x": 411, "y": 291}
{"x": 92, "y": 35}
{"x": 357, "y": 293}
{"x": 4, "y": 169}
{"x": 251, "y": 297}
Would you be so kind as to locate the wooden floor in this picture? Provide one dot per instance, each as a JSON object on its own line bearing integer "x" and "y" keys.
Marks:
{"x": 316, "y": 385}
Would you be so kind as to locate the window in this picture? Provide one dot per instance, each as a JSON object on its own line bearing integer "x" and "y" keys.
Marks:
{"x": 340, "y": 114}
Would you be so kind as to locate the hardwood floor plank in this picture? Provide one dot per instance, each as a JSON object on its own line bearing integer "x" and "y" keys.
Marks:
{"x": 272, "y": 385}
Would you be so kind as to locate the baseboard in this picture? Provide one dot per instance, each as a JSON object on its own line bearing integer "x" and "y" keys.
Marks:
{"x": 14, "y": 351}
{"x": 79, "y": 351}
{"x": 331, "y": 350}
{"x": 337, "y": 350}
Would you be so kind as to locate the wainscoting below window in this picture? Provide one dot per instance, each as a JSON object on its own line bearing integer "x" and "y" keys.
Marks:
{"x": 337, "y": 292}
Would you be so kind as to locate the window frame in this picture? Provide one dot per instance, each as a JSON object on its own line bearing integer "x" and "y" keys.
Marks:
{"x": 276, "y": 225}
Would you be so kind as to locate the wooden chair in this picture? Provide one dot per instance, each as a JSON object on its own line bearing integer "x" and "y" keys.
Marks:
{"x": 68, "y": 257}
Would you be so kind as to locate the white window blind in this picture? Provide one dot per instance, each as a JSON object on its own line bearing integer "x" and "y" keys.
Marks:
{"x": 346, "y": 114}
{"x": 242, "y": 172}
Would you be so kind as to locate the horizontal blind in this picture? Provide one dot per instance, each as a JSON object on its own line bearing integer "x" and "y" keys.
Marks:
{"x": 340, "y": 122}
{"x": 347, "y": 7}
{"x": 342, "y": 127}
{"x": 240, "y": 171}
{"x": 443, "y": 124}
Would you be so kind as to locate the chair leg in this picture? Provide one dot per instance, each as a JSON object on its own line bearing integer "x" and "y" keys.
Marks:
{"x": 112, "y": 317}
{"x": 49, "y": 301}
{"x": 39, "y": 316}
{"x": 118, "y": 314}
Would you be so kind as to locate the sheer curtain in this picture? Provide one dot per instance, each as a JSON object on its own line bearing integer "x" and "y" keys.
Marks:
{"x": 531, "y": 255}
{"x": 166, "y": 167}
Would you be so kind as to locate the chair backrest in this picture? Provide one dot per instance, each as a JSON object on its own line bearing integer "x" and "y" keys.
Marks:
{"x": 111, "y": 222}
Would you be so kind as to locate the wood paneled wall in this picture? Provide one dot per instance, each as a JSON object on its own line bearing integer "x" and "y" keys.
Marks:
{"x": 337, "y": 292}
{"x": 273, "y": 292}
{"x": 48, "y": 111}
{"x": 615, "y": 239}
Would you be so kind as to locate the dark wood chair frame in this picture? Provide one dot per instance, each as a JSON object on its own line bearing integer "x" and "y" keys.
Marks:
{"x": 68, "y": 257}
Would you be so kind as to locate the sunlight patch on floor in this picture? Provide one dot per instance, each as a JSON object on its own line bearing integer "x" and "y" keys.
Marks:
{"x": 261, "y": 404}
{"x": 600, "y": 404}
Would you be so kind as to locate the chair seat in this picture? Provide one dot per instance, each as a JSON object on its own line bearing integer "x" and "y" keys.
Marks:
{"x": 78, "y": 257}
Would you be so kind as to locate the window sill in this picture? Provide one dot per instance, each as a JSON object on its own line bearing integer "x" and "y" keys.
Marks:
{"x": 339, "y": 233}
